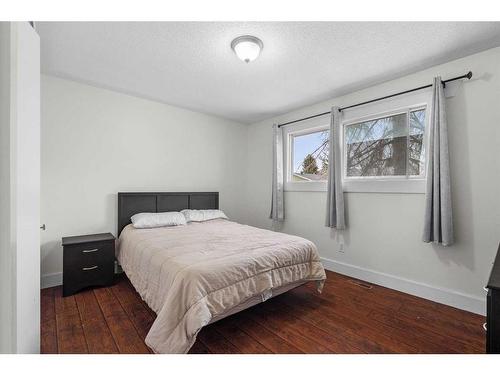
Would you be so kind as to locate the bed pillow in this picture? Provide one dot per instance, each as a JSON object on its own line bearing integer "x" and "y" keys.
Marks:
{"x": 203, "y": 215}
{"x": 155, "y": 220}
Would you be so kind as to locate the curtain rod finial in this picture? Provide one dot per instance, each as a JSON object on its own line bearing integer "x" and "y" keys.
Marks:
{"x": 469, "y": 75}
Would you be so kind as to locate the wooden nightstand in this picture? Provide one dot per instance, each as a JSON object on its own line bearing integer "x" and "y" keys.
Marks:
{"x": 87, "y": 261}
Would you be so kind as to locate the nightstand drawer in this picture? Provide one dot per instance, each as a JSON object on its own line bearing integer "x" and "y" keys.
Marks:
{"x": 76, "y": 278}
{"x": 90, "y": 273}
{"x": 88, "y": 254}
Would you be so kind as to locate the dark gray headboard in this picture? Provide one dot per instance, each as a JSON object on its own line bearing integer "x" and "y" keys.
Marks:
{"x": 130, "y": 204}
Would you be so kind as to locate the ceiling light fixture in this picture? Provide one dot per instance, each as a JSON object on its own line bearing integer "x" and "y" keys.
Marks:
{"x": 247, "y": 47}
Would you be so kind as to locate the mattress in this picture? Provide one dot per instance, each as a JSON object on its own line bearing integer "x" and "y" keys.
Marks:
{"x": 195, "y": 274}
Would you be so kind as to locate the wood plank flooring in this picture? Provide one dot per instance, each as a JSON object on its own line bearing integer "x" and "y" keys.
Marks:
{"x": 346, "y": 318}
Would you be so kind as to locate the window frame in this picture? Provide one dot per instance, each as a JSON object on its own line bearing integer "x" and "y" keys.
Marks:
{"x": 407, "y": 183}
{"x": 289, "y": 132}
{"x": 361, "y": 184}
{"x": 386, "y": 184}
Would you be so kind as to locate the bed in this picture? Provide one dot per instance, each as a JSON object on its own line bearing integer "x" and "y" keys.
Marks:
{"x": 195, "y": 274}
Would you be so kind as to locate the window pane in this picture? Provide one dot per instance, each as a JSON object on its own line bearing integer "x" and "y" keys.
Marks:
{"x": 416, "y": 154}
{"x": 310, "y": 156}
{"x": 377, "y": 147}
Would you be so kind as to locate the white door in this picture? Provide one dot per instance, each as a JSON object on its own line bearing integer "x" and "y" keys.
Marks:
{"x": 20, "y": 188}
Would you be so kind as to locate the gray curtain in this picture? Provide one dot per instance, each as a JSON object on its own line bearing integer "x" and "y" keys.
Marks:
{"x": 335, "y": 217}
{"x": 277, "y": 201}
{"x": 438, "y": 220}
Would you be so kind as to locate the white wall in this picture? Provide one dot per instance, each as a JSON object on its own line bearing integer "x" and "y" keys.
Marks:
{"x": 383, "y": 242}
{"x": 97, "y": 142}
{"x": 20, "y": 188}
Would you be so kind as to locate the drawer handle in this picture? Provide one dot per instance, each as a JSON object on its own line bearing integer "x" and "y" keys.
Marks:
{"x": 89, "y": 268}
{"x": 90, "y": 251}
{"x": 485, "y": 327}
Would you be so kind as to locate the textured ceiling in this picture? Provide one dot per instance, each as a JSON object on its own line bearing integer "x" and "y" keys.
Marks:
{"x": 191, "y": 64}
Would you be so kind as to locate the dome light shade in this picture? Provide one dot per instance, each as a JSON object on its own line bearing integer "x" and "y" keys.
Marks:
{"x": 247, "y": 47}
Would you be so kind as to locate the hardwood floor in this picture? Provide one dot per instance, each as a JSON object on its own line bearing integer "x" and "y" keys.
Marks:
{"x": 346, "y": 318}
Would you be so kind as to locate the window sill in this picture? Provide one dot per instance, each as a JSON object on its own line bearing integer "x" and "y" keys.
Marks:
{"x": 413, "y": 186}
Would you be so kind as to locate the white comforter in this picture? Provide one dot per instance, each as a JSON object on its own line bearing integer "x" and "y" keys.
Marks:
{"x": 191, "y": 274}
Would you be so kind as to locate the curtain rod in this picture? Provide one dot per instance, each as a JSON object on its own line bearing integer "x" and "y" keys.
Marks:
{"x": 468, "y": 76}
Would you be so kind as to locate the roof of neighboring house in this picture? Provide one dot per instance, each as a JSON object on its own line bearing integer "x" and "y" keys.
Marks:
{"x": 309, "y": 176}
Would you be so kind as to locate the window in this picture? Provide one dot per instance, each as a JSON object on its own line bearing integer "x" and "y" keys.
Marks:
{"x": 416, "y": 158}
{"x": 386, "y": 146}
{"x": 382, "y": 147}
{"x": 310, "y": 156}
{"x": 385, "y": 153}
{"x": 306, "y": 147}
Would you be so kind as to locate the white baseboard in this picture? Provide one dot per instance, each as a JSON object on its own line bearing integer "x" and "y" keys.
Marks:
{"x": 51, "y": 279}
{"x": 448, "y": 297}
